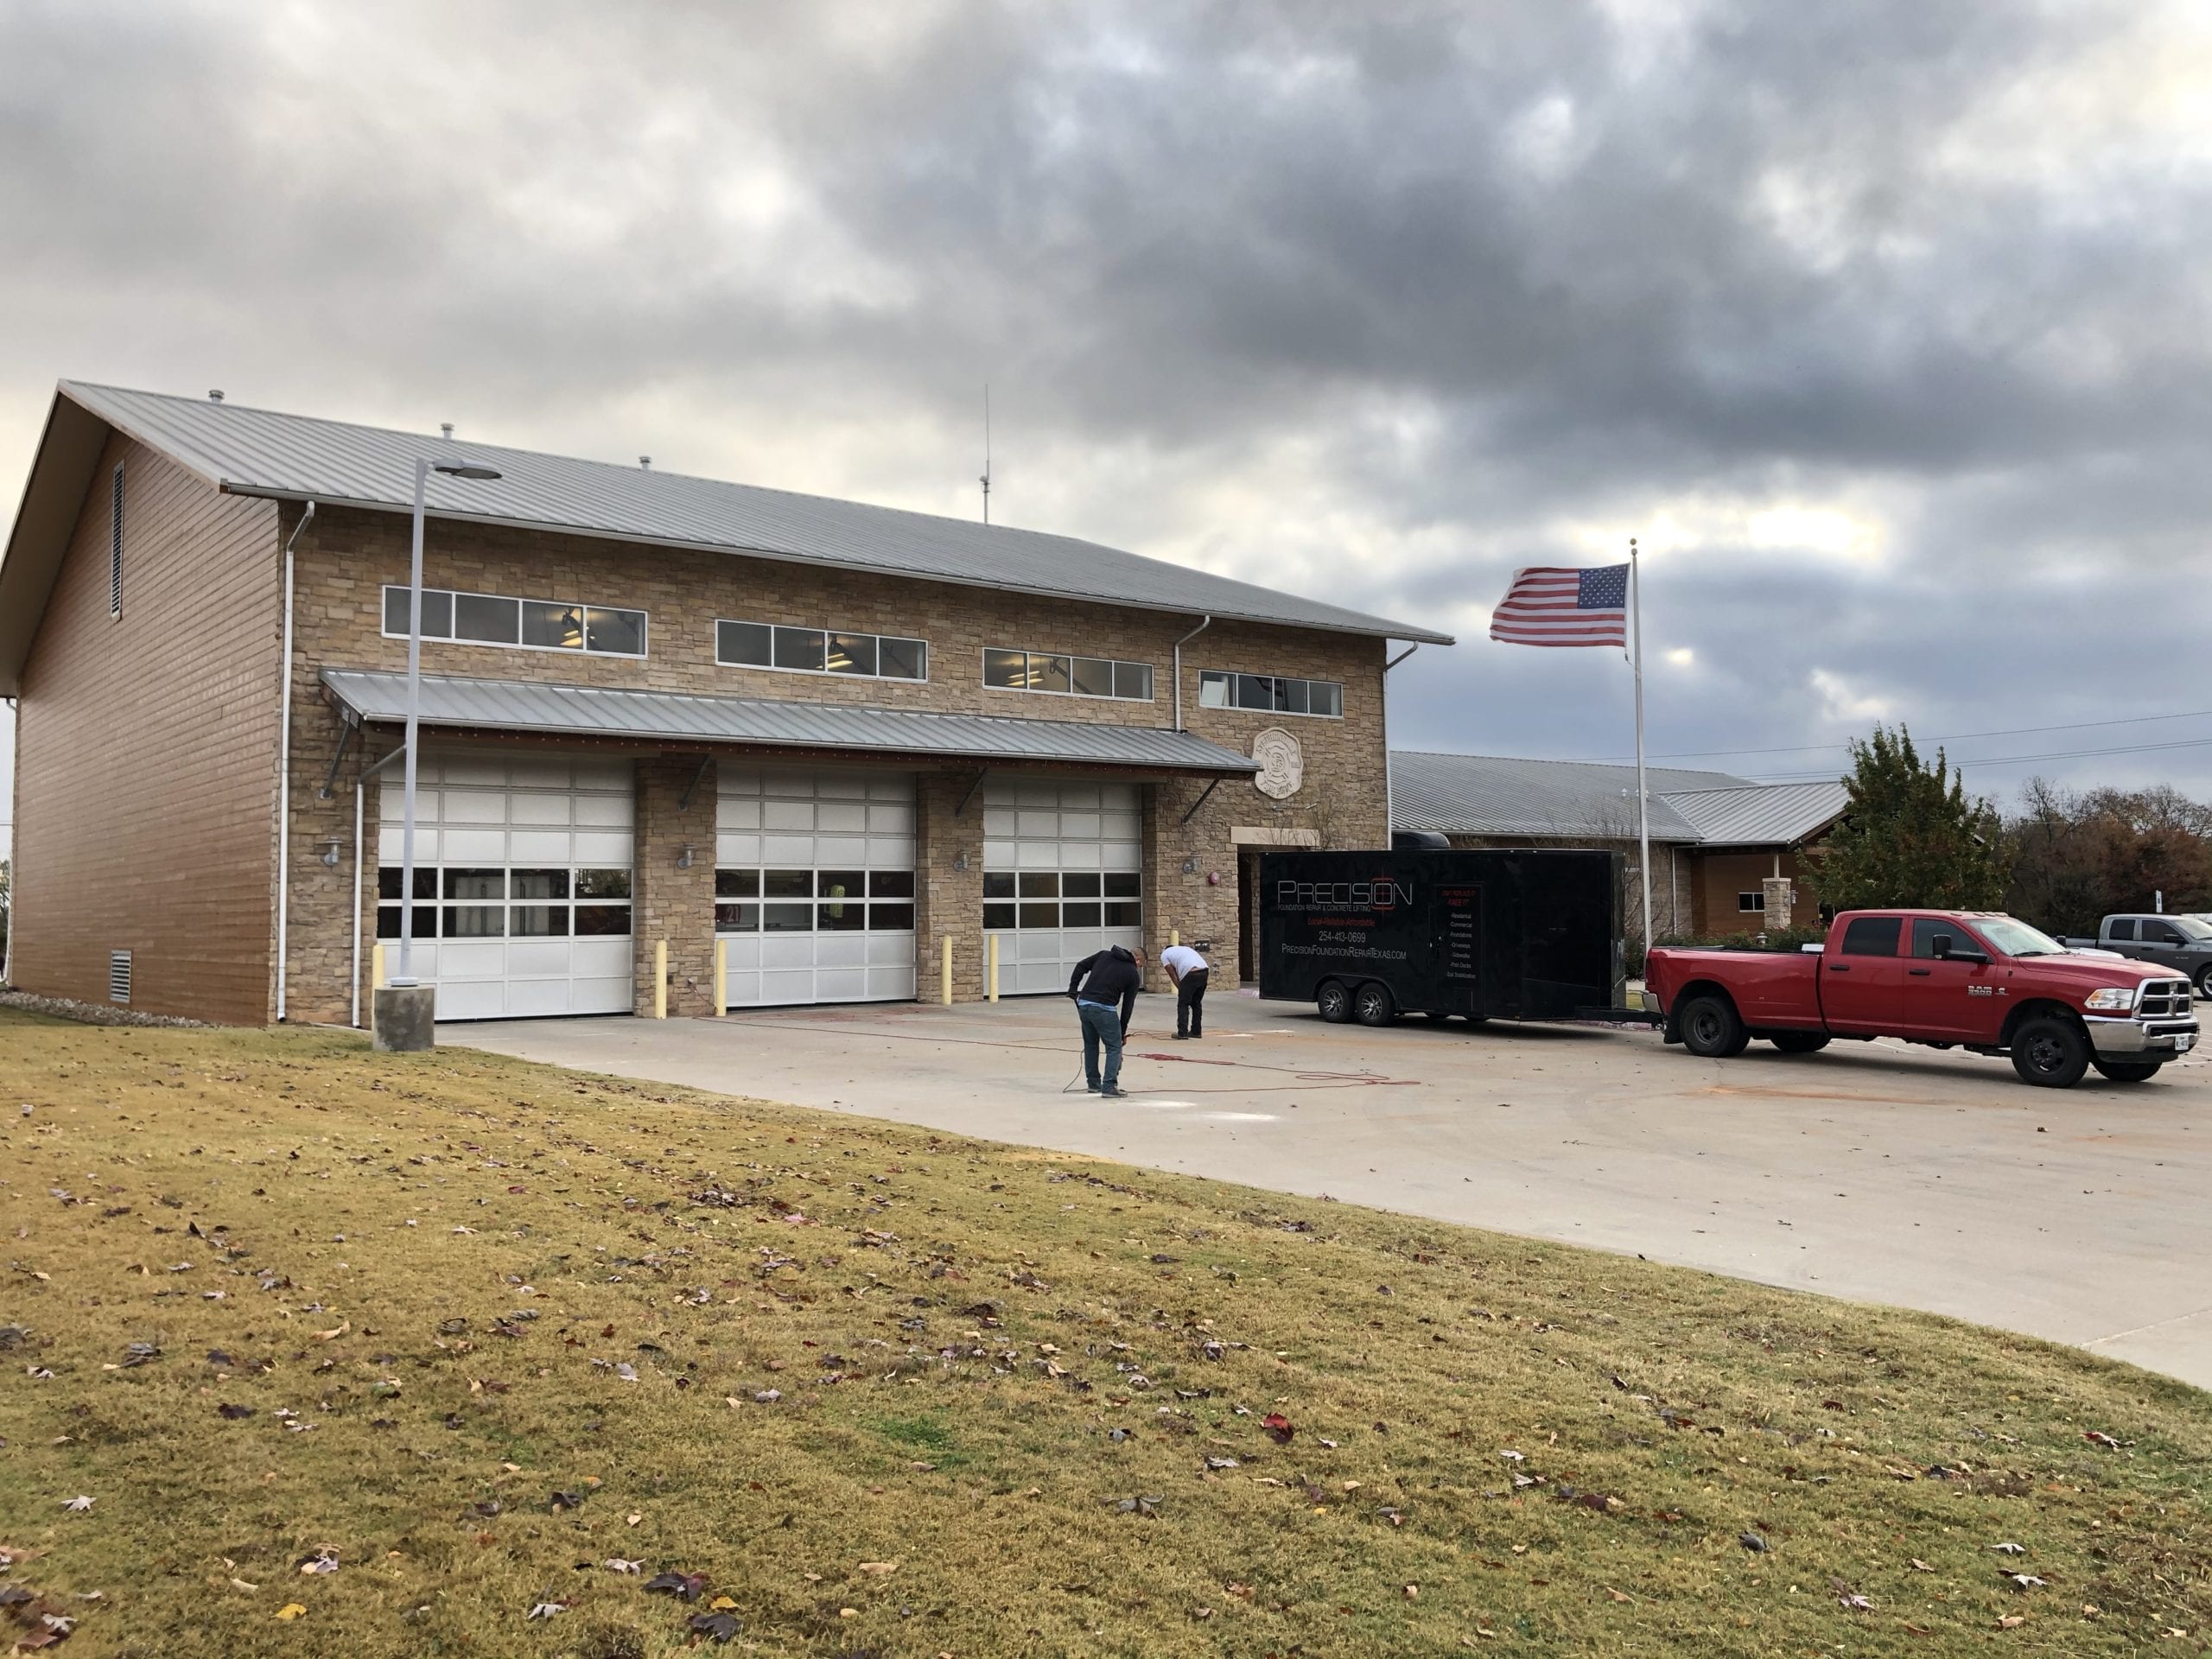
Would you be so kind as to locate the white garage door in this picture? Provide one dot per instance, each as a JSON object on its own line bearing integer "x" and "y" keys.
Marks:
{"x": 522, "y": 883}
{"x": 1063, "y": 876}
{"x": 814, "y": 885}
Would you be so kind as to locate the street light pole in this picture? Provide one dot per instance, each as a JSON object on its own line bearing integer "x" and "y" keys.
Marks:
{"x": 423, "y": 467}
{"x": 406, "y": 976}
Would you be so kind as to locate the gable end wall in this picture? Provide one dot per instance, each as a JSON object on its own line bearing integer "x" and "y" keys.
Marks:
{"x": 146, "y": 769}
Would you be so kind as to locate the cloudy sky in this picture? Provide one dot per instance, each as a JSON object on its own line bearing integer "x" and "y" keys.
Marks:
{"x": 1884, "y": 326}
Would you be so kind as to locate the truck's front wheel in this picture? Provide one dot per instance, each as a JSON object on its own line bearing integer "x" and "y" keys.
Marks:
{"x": 1333, "y": 1002}
{"x": 2051, "y": 1052}
{"x": 1712, "y": 1029}
{"x": 2204, "y": 982}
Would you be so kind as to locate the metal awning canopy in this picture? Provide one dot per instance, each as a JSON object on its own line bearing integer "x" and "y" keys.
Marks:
{"x": 535, "y": 709}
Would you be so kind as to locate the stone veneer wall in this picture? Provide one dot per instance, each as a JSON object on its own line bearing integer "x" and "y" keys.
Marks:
{"x": 347, "y": 556}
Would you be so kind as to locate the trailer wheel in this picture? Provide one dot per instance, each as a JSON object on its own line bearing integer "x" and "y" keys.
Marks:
{"x": 1713, "y": 1030}
{"x": 1371, "y": 1006}
{"x": 2051, "y": 1052}
{"x": 2128, "y": 1070}
{"x": 1333, "y": 1002}
{"x": 1799, "y": 1042}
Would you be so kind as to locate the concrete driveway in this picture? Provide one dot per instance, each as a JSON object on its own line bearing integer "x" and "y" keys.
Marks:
{"x": 1870, "y": 1170}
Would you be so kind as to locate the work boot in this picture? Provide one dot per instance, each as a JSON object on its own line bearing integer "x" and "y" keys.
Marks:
{"x": 1113, "y": 1092}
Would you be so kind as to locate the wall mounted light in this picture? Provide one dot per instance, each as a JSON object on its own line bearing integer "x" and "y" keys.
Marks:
{"x": 330, "y": 847}
{"x": 1190, "y": 865}
{"x": 684, "y": 858}
{"x": 960, "y": 863}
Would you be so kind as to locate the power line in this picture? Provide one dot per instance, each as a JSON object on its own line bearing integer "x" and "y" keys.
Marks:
{"x": 1957, "y": 737}
{"x": 2013, "y": 759}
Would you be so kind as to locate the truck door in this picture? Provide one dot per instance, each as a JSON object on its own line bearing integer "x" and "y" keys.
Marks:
{"x": 1862, "y": 981}
{"x": 2161, "y": 942}
{"x": 1945, "y": 1001}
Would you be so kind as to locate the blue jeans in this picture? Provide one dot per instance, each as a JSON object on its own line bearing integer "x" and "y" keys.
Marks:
{"x": 1100, "y": 1026}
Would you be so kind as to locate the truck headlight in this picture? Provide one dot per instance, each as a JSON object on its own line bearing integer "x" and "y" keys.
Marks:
{"x": 2114, "y": 999}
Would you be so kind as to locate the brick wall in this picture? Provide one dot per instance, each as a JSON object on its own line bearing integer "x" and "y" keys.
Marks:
{"x": 1721, "y": 876}
{"x": 348, "y": 555}
{"x": 146, "y": 752}
{"x": 669, "y": 903}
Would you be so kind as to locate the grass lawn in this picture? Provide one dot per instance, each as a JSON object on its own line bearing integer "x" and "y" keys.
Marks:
{"x": 475, "y": 1331}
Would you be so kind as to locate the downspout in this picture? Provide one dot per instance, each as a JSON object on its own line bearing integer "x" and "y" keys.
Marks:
{"x": 284, "y": 776}
{"x": 1204, "y": 623}
{"x": 1389, "y": 788}
{"x": 357, "y": 907}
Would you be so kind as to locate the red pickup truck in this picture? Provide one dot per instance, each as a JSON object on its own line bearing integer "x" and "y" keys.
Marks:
{"x": 1948, "y": 978}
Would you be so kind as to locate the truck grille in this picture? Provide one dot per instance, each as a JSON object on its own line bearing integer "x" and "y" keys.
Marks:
{"x": 2163, "y": 999}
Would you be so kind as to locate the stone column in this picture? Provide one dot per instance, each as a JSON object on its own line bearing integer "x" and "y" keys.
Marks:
{"x": 668, "y": 902}
{"x": 1780, "y": 894}
{"x": 948, "y": 899}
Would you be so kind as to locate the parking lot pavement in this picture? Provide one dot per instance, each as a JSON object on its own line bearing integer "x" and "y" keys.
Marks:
{"x": 1872, "y": 1171}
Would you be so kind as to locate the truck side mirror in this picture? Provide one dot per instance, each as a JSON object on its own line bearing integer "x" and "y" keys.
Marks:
{"x": 1943, "y": 947}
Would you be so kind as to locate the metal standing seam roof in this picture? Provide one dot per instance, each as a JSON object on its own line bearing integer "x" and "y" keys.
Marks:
{"x": 1761, "y": 814}
{"x": 258, "y": 452}
{"x": 533, "y": 707}
{"x": 1495, "y": 795}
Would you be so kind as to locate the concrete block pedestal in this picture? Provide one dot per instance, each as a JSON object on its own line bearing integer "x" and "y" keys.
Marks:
{"x": 406, "y": 1018}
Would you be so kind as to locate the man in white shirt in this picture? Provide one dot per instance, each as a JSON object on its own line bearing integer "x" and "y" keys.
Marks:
{"x": 1187, "y": 970}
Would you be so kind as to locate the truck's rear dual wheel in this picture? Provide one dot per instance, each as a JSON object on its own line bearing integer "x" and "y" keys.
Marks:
{"x": 2128, "y": 1070}
{"x": 1712, "y": 1029}
{"x": 2051, "y": 1052}
{"x": 1799, "y": 1042}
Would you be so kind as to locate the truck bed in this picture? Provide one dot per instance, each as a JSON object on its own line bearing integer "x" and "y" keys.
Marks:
{"x": 1775, "y": 988}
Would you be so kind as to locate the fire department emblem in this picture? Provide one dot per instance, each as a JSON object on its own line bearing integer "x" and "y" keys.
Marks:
{"x": 1282, "y": 765}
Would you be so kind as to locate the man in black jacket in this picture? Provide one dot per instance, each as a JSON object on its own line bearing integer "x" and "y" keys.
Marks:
{"x": 1105, "y": 987}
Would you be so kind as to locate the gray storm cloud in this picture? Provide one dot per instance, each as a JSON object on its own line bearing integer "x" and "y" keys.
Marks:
{"x": 1884, "y": 325}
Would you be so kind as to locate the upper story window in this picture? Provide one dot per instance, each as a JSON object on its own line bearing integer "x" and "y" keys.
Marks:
{"x": 1006, "y": 670}
{"x": 820, "y": 651}
{"x": 1272, "y": 693}
{"x": 530, "y": 623}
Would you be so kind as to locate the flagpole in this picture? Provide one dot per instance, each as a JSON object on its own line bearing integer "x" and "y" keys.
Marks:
{"x": 1643, "y": 794}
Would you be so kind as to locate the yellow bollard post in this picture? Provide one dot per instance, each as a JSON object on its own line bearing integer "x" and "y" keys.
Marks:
{"x": 1174, "y": 937}
{"x": 660, "y": 979}
{"x": 944, "y": 965}
{"x": 994, "y": 967}
{"x": 721, "y": 977}
{"x": 376, "y": 982}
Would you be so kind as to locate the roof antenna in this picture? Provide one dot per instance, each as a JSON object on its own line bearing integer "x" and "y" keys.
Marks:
{"x": 986, "y": 452}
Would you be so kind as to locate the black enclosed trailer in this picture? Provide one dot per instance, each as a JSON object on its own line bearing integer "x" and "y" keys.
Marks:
{"x": 1507, "y": 935}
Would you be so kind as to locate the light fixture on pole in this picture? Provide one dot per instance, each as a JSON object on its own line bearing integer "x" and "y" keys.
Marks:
{"x": 423, "y": 467}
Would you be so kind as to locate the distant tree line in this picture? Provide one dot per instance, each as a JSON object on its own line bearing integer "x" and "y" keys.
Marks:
{"x": 2076, "y": 856}
{"x": 2063, "y": 860}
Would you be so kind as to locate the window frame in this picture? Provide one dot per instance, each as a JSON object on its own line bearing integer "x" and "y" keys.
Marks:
{"x": 1230, "y": 679}
{"x": 583, "y": 608}
{"x": 1752, "y": 904}
{"x": 828, "y": 634}
{"x": 1116, "y": 665}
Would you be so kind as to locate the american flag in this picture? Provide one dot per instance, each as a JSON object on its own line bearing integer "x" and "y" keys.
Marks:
{"x": 1550, "y": 606}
